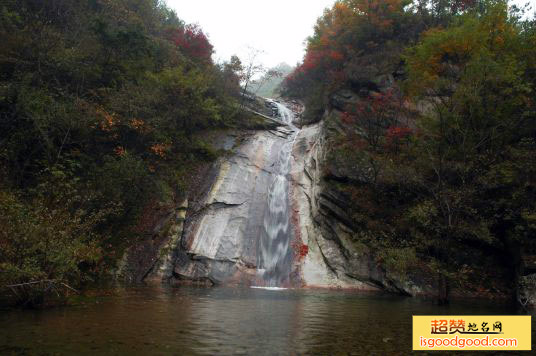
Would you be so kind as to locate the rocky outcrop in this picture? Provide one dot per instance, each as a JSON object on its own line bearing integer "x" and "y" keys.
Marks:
{"x": 320, "y": 213}
{"x": 222, "y": 232}
{"x": 325, "y": 263}
{"x": 213, "y": 236}
{"x": 341, "y": 249}
{"x": 151, "y": 258}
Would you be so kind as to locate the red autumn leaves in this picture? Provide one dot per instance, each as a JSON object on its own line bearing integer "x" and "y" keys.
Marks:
{"x": 191, "y": 40}
{"x": 378, "y": 117}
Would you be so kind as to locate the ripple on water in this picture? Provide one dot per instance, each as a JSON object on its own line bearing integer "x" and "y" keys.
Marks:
{"x": 223, "y": 321}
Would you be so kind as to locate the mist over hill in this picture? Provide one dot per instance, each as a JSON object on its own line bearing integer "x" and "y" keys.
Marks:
{"x": 268, "y": 85}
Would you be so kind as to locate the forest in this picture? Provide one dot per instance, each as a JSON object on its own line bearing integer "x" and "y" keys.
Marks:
{"x": 430, "y": 110}
{"x": 162, "y": 191}
{"x": 428, "y": 106}
{"x": 102, "y": 106}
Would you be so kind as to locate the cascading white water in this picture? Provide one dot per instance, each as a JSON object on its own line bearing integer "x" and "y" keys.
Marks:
{"x": 275, "y": 255}
{"x": 285, "y": 115}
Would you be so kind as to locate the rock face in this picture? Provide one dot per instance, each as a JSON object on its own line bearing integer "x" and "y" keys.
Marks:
{"x": 222, "y": 242}
{"x": 322, "y": 223}
{"x": 342, "y": 252}
{"x": 151, "y": 258}
{"x": 327, "y": 262}
{"x": 233, "y": 230}
{"x": 221, "y": 237}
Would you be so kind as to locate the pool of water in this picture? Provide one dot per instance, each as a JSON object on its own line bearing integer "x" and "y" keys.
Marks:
{"x": 203, "y": 321}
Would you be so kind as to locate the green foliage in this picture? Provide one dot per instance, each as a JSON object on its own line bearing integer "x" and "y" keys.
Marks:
{"x": 438, "y": 162}
{"x": 399, "y": 261}
{"x": 106, "y": 98}
{"x": 51, "y": 237}
{"x": 354, "y": 42}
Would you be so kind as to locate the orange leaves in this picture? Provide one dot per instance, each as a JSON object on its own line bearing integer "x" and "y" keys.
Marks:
{"x": 108, "y": 120}
{"x": 457, "y": 48}
{"x": 118, "y": 131}
{"x": 113, "y": 124}
{"x": 443, "y": 54}
{"x": 160, "y": 149}
{"x": 140, "y": 126}
{"x": 311, "y": 60}
{"x": 376, "y": 12}
{"x": 341, "y": 8}
{"x": 347, "y": 31}
{"x": 343, "y": 16}
{"x": 137, "y": 124}
{"x": 460, "y": 43}
{"x": 349, "y": 27}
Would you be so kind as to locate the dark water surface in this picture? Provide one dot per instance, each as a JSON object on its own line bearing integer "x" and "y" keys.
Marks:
{"x": 190, "y": 321}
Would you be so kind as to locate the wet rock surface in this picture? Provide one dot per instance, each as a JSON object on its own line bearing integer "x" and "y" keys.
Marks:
{"x": 215, "y": 236}
{"x": 323, "y": 225}
{"x": 220, "y": 240}
{"x": 321, "y": 213}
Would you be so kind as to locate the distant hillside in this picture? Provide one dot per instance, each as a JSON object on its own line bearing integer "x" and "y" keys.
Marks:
{"x": 267, "y": 86}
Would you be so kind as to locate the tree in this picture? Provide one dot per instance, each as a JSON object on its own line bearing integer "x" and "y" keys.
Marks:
{"x": 473, "y": 78}
{"x": 269, "y": 76}
{"x": 192, "y": 41}
{"x": 375, "y": 115}
{"x": 232, "y": 75}
{"x": 110, "y": 96}
{"x": 250, "y": 70}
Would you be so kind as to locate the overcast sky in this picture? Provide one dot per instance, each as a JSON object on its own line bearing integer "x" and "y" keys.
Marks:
{"x": 278, "y": 27}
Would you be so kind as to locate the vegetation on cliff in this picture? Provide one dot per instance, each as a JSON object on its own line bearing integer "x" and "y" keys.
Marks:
{"x": 432, "y": 134}
{"x": 101, "y": 106}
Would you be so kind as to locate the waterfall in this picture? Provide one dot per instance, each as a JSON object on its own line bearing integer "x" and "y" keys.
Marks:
{"x": 275, "y": 254}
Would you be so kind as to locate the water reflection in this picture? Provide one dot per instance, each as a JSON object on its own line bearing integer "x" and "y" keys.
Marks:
{"x": 224, "y": 321}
